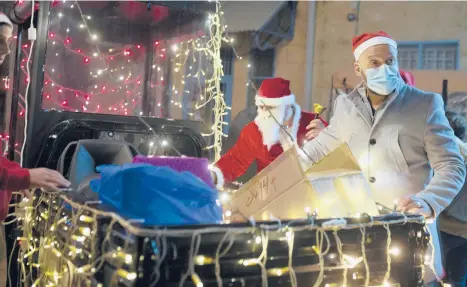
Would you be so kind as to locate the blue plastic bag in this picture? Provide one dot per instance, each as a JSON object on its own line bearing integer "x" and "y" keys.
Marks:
{"x": 158, "y": 195}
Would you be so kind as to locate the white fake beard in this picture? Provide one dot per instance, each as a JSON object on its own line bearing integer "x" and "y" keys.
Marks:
{"x": 267, "y": 125}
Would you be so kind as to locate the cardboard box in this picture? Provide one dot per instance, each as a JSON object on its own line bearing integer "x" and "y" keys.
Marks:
{"x": 334, "y": 187}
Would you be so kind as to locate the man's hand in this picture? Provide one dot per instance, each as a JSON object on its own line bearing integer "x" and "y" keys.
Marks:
{"x": 47, "y": 178}
{"x": 314, "y": 128}
{"x": 415, "y": 205}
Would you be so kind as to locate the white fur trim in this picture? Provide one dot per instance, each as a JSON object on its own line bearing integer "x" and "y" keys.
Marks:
{"x": 219, "y": 175}
{"x": 295, "y": 125}
{"x": 4, "y": 19}
{"x": 286, "y": 100}
{"x": 296, "y": 121}
{"x": 380, "y": 40}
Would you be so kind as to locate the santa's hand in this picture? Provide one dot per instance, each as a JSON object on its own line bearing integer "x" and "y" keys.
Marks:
{"x": 415, "y": 205}
{"x": 314, "y": 128}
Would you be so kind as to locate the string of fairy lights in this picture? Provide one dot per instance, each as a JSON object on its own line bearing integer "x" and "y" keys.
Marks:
{"x": 206, "y": 74}
{"x": 184, "y": 55}
{"x": 59, "y": 234}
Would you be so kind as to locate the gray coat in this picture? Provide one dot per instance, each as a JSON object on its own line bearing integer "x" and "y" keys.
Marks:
{"x": 407, "y": 148}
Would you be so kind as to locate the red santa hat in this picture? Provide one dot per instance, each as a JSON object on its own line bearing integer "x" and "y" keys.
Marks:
{"x": 367, "y": 40}
{"x": 408, "y": 77}
{"x": 5, "y": 20}
{"x": 274, "y": 92}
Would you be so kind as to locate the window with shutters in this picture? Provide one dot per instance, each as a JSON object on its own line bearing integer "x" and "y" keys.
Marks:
{"x": 428, "y": 56}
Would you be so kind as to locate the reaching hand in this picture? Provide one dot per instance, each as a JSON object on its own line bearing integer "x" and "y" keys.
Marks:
{"x": 314, "y": 128}
{"x": 47, "y": 178}
{"x": 415, "y": 205}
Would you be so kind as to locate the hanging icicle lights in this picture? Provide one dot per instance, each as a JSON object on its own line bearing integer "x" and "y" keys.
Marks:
{"x": 192, "y": 61}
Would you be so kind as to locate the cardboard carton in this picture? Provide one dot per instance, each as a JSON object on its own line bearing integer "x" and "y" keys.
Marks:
{"x": 334, "y": 187}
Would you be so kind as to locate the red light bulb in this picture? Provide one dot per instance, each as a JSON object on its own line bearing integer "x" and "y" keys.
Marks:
{"x": 156, "y": 43}
{"x": 47, "y": 97}
{"x": 138, "y": 46}
{"x": 87, "y": 97}
{"x": 78, "y": 50}
{"x": 51, "y": 35}
{"x": 65, "y": 103}
{"x": 86, "y": 60}
{"x": 20, "y": 113}
{"x": 68, "y": 40}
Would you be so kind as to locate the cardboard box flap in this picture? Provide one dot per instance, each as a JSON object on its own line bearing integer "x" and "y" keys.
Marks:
{"x": 339, "y": 159}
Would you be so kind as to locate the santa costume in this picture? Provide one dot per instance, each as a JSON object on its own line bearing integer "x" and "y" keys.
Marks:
{"x": 264, "y": 139}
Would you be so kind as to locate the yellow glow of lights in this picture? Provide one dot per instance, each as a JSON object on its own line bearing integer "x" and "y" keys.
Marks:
{"x": 224, "y": 197}
{"x": 127, "y": 275}
{"x": 78, "y": 238}
{"x": 249, "y": 262}
{"x": 85, "y": 218}
{"x": 196, "y": 280}
{"x": 128, "y": 258}
{"x": 86, "y": 231}
{"x": 394, "y": 251}
{"x": 352, "y": 261}
{"x": 278, "y": 271}
{"x": 258, "y": 239}
{"x": 203, "y": 260}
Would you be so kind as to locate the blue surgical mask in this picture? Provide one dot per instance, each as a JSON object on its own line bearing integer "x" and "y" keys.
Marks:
{"x": 383, "y": 79}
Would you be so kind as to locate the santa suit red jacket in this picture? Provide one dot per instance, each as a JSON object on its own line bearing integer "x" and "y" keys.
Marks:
{"x": 250, "y": 147}
{"x": 12, "y": 178}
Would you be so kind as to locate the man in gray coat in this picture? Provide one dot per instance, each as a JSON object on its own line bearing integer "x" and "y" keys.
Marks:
{"x": 399, "y": 135}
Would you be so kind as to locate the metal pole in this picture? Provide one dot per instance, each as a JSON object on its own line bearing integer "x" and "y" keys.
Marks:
{"x": 445, "y": 92}
{"x": 15, "y": 96}
{"x": 310, "y": 54}
{"x": 37, "y": 80}
{"x": 167, "y": 93}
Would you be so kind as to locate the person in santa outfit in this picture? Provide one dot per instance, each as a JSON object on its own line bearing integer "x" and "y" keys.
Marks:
{"x": 401, "y": 137}
{"x": 280, "y": 124}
